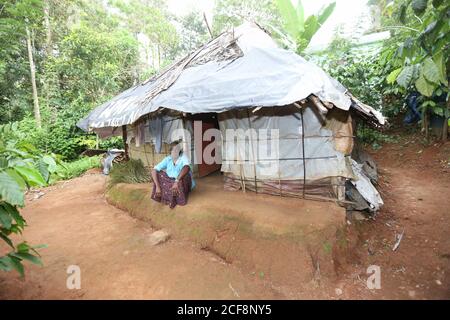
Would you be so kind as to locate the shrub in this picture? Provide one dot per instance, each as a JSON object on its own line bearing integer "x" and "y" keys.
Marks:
{"x": 22, "y": 166}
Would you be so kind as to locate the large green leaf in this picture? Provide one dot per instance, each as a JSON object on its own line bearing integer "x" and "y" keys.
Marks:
{"x": 311, "y": 27}
{"x": 5, "y": 218}
{"x": 16, "y": 264}
{"x": 325, "y": 13}
{"x": 50, "y": 162}
{"x": 289, "y": 16}
{"x": 439, "y": 61}
{"x": 5, "y": 263}
{"x": 27, "y": 256}
{"x": 424, "y": 87}
{"x": 405, "y": 77}
{"x": 393, "y": 76}
{"x": 10, "y": 190}
{"x": 7, "y": 240}
{"x": 20, "y": 181}
{"x": 31, "y": 175}
{"x": 431, "y": 71}
{"x": 43, "y": 169}
{"x": 14, "y": 213}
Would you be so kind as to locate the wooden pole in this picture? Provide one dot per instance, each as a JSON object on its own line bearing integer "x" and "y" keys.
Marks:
{"x": 303, "y": 154}
{"x": 253, "y": 151}
{"x": 446, "y": 118}
{"x": 207, "y": 25}
{"x": 124, "y": 137}
{"x": 425, "y": 123}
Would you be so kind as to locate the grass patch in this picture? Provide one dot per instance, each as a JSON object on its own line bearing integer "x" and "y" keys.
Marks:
{"x": 132, "y": 171}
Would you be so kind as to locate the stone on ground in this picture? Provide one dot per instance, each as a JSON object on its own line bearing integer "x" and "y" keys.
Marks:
{"x": 158, "y": 237}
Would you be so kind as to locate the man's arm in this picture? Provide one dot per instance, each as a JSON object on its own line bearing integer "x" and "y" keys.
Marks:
{"x": 182, "y": 174}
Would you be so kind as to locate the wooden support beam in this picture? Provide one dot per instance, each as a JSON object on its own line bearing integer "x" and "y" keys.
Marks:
{"x": 124, "y": 138}
{"x": 316, "y": 101}
{"x": 328, "y": 105}
{"x": 298, "y": 105}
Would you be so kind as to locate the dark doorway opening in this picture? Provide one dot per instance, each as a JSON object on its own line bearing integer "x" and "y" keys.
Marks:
{"x": 208, "y": 121}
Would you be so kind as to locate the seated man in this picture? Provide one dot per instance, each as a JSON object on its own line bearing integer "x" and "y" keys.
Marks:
{"x": 172, "y": 178}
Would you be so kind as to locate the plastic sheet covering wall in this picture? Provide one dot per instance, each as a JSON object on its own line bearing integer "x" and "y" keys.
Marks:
{"x": 248, "y": 152}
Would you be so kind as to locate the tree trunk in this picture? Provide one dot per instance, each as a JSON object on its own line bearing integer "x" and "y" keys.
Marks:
{"x": 445, "y": 126}
{"x": 445, "y": 130}
{"x": 37, "y": 113}
{"x": 48, "y": 28}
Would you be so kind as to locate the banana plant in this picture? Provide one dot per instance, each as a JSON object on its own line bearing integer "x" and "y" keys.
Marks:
{"x": 298, "y": 31}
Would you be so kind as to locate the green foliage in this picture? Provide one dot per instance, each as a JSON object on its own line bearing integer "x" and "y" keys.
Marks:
{"x": 152, "y": 19}
{"x": 419, "y": 6}
{"x": 356, "y": 68}
{"x": 193, "y": 33}
{"x": 372, "y": 137}
{"x": 298, "y": 29}
{"x": 15, "y": 87}
{"x": 69, "y": 170}
{"x": 419, "y": 48}
{"x": 92, "y": 66}
{"x": 21, "y": 166}
{"x": 132, "y": 171}
{"x": 93, "y": 59}
{"x": 232, "y": 13}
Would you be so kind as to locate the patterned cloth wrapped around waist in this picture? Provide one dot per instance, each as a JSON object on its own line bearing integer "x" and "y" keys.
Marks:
{"x": 167, "y": 196}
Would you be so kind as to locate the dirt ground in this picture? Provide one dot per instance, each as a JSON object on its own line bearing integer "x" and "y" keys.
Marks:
{"x": 117, "y": 261}
{"x": 415, "y": 185}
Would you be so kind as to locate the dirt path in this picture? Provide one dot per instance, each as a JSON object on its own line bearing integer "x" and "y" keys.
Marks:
{"x": 415, "y": 184}
{"x": 117, "y": 261}
{"x": 114, "y": 254}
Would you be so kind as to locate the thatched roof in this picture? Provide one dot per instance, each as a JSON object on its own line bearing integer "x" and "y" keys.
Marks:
{"x": 243, "y": 67}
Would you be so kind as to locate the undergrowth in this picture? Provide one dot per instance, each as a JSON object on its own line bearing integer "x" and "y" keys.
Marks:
{"x": 69, "y": 170}
{"x": 373, "y": 137}
{"x": 132, "y": 171}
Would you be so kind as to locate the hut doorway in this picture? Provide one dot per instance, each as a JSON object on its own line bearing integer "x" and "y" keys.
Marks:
{"x": 207, "y": 121}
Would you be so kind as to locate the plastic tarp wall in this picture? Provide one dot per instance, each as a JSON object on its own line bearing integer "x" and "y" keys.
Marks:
{"x": 279, "y": 157}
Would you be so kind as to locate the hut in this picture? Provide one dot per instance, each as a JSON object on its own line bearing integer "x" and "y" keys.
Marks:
{"x": 242, "y": 82}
